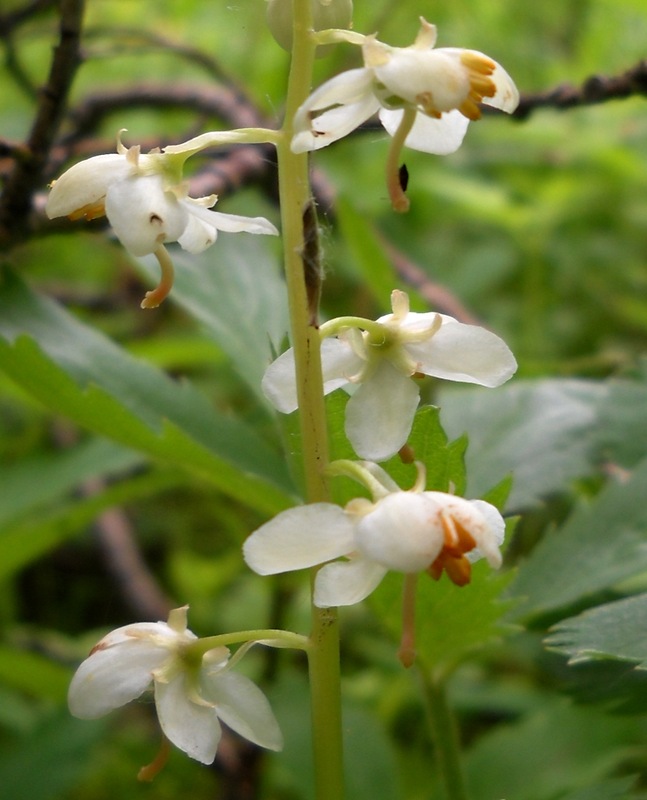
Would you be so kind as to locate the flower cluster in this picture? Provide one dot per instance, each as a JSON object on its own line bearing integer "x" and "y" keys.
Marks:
{"x": 380, "y": 358}
{"x": 406, "y": 531}
{"x": 194, "y": 690}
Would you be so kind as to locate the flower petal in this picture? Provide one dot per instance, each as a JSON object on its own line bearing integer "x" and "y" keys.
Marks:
{"x": 338, "y": 364}
{"x": 345, "y": 583}
{"x": 380, "y": 413}
{"x": 488, "y": 545}
{"x": 143, "y": 215}
{"x": 230, "y": 223}
{"x": 191, "y": 727}
{"x": 403, "y": 532}
{"x": 299, "y": 537}
{"x": 243, "y": 707}
{"x": 198, "y": 234}
{"x": 440, "y": 136}
{"x": 345, "y": 102}
{"x": 85, "y": 183}
{"x": 464, "y": 353}
{"x": 114, "y": 674}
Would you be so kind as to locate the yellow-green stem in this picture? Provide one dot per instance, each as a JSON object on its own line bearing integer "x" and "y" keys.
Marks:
{"x": 294, "y": 191}
{"x": 445, "y": 737}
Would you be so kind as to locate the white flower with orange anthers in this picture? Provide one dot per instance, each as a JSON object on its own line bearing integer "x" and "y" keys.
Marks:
{"x": 147, "y": 203}
{"x": 406, "y": 531}
{"x": 381, "y": 357}
{"x": 194, "y": 686}
{"x": 425, "y": 98}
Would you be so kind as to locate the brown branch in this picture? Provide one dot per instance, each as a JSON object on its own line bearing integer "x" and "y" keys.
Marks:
{"x": 595, "y": 89}
{"x": 27, "y": 173}
{"x": 16, "y": 17}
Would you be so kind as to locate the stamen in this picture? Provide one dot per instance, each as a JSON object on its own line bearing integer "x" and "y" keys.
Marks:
{"x": 426, "y": 102}
{"x": 469, "y": 109}
{"x": 153, "y": 298}
{"x": 477, "y": 62}
{"x": 451, "y": 559}
{"x": 90, "y": 211}
{"x": 150, "y": 771}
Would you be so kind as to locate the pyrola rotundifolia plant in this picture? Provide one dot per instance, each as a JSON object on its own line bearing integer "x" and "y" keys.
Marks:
{"x": 404, "y": 523}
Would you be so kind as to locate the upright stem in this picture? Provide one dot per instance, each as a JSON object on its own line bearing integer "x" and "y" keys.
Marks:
{"x": 294, "y": 192}
{"x": 445, "y": 736}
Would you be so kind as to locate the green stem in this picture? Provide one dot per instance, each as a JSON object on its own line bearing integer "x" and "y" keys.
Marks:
{"x": 445, "y": 736}
{"x": 270, "y": 636}
{"x": 294, "y": 192}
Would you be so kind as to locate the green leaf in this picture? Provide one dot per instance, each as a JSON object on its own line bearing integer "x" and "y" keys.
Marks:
{"x": 559, "y": 748}
{"x": 236, "y": 292}
{"x": 50, "y": 760}
{"x": 602, "y": 543}
{"x": 443, "y": 461}
{"x": 614, "y": 630}
{"x": 541, "y": 432}
{"x": 43, "y": 479}
{"x": 30, "y": 538}
{"x": 34, "y": 674}
{"x": 451, "y": 621}
{"x": 77, "y": 372}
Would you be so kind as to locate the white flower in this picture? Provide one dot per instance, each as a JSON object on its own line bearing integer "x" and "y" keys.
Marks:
{"x": 145, "y": 201}
{"x": 444, "y": 86}
{"x": 409, "y": 532}
{"x": 192, "y": 691}
{"x": 382, "y": 360}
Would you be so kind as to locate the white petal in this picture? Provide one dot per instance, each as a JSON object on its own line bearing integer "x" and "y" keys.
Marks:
{"x": 85, "y": 183}
{"x": 437, "y": 74}
{"x": 231, "y": 223}
{"x": 480, "y": 519}
{"x": 242, "y": 706}
{"x": 346, "y": 583}
{"x": 440, "y": 136}
{"x": 114, "y": 674}
{"x": 464, "y": 353}
{"x": 198, "y": 235}
{"x": 345, "y": 102}
{"x": 403, "y": 532}
{"x": 143, "y": 215}
{"x": 488, "y": 545}
{"x": 299, "y": 537}
{"x": 380, "y": 413}
{"x": 191, "y": 727}
{"x": 338, "y": 364}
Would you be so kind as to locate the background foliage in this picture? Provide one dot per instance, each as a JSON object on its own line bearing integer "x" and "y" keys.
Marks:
{"x": 137, "y": 452}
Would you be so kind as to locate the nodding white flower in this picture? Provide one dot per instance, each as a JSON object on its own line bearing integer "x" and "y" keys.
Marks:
{"x": 193, "y": 689}
{"x": 382, "y": 360}
{"x": 443, "y": 86}
{"x": 407, "y": 531}
{"x": 146, "y": 203}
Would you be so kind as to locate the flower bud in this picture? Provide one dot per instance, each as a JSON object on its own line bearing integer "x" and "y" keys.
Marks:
{"x": 325, "y": 14}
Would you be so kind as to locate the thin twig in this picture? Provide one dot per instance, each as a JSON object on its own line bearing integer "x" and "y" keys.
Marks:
{"x": 27, "y": 173}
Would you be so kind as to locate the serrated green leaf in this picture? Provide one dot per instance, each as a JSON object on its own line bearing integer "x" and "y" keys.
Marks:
{"x": 451, "y": 621}
{"x": 557, "y": 749}
{"x": 614, "y": 631}
{"x": 443, "y": 461}
{"x": 77, "y": 372}
{"x": 541, "y": 432}
{"x": 602, "y": 543}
